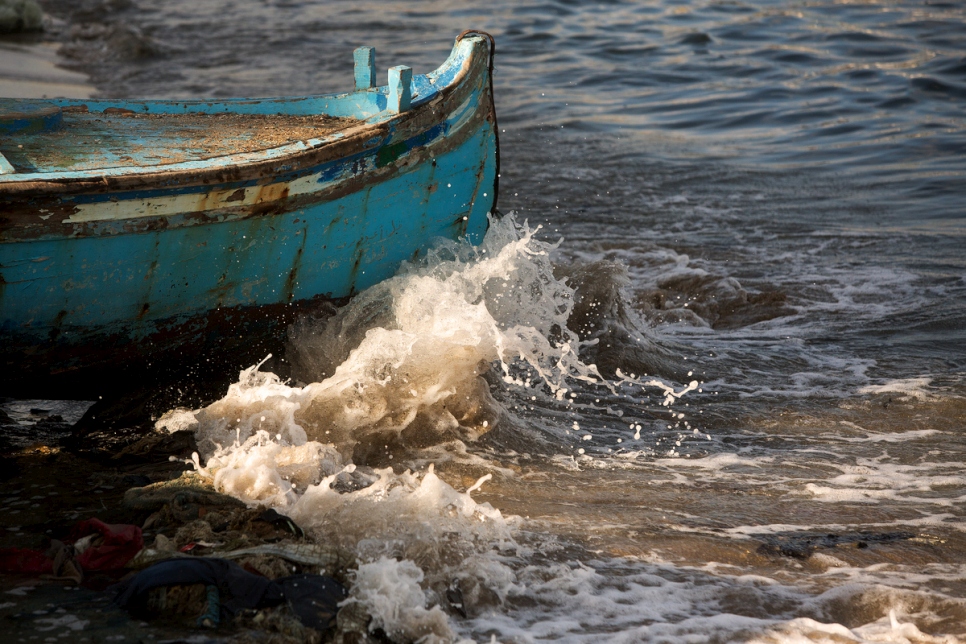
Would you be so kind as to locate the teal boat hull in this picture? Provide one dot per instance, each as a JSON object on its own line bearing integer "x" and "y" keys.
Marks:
{"x": 104, "y": 269}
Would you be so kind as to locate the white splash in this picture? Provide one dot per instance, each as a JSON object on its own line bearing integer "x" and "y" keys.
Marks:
{"x": 390, "y": 592}
{"x": 405, "y": 361}
{"x": 424, "y": 338}
{"x": 915, "y": 388}
{"x": 402, "y": 362}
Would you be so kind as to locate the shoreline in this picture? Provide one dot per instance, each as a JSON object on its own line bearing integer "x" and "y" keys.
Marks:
{"x": 31, "y": 70}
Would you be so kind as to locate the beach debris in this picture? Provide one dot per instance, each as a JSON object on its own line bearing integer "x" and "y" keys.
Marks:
{"x": 281, "y": 522}
{"x": 267, "y": 565}
{"x": 211, "y": 617}
{"x": 102, "y": 546}
{"x": 199, "y": 604}
{"x": 93, "y": 546}
{"x": 275, "y": 625}
{"x": 204, "y": 592}
{"x": 179, "y": 500}
{"x": 325, "y": 557}
{"x": 236, "y": 528}
{"x": 63, "y": 563}
{"x": 352, "y": 624}
{"x": 190, "y": 519}
{"x": 238, "y": 588}
{"x": 263, "y": 558}
{"x": 24, "y": 561}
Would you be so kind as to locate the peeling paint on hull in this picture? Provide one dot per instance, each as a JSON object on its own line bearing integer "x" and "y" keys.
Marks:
{"x": 97, "y": 269}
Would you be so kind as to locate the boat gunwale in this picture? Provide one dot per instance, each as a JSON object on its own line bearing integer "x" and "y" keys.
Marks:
{"x": 67, "y": 225}
{"x": 369, "y": 134}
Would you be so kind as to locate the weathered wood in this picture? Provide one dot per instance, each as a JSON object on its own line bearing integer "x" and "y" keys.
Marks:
{"x": 21, "y": 115}
{"x": 365, "y": 67}
{"x": 98, "y": 141}
{"x": 400, "y": 88}
{"x": 138, "y": 226}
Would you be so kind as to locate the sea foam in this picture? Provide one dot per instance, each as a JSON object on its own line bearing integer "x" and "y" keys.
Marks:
{"x": 400, "y": 368}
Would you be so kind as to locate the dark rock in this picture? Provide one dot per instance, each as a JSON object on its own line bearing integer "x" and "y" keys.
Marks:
{"x": 5, "y": 419}
{"x": 159, "y": 446}
{"x": 358, "y": 479}
{"x": 454, "y": 595}
{"x": 136, "y": 480}
{"x": 314, "y": 599}
{"x": 801, "y": 545}
{"x": 696, "y": 38}
{"x": 281, "y": 523}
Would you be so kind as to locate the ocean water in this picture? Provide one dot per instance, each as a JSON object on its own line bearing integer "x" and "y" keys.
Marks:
{"x": 702, "y": 382}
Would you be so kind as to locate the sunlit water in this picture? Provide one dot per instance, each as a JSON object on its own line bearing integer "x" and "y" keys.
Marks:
{"x": 728, "y": 406}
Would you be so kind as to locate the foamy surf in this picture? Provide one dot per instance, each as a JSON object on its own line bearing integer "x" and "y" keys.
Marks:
{"x": 412, "y": 351}
{"x": 399, "y": 369}
{"x": 472, "y": 340}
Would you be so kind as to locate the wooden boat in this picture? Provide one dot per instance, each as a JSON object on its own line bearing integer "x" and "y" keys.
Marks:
{"x": 136, "y": 232}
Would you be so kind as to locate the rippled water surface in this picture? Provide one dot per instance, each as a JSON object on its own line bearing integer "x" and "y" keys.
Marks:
{"x": 764, "y": 199}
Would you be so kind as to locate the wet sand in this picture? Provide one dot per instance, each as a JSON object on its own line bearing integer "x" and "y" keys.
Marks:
{"x": 46, "y": 491}
{"x": 30, "y": 70}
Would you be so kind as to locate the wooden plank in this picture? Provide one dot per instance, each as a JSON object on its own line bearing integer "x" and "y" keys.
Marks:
{"x": 96, "y": 140}
{"x": 5, "y": 167}
{"x": 365, "y": 67}
{"x": 400, "y": 89}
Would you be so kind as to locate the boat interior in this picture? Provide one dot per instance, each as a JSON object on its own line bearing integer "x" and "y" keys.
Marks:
{"x": 62, "y": 136}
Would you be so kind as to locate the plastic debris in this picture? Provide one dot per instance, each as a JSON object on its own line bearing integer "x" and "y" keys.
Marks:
{"x": 212, "y": 589}
{"x": 238, "y": 588}
{"x": 314, "y": 599}
{"x": 93, "y": 546}
{"x": 211, "y": 617}
{"x": 106, "y": 546}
